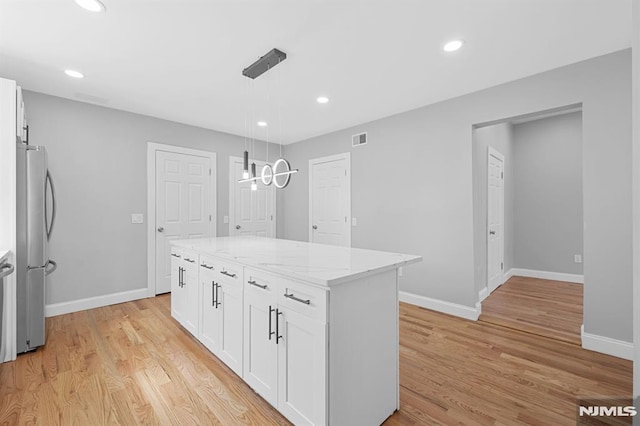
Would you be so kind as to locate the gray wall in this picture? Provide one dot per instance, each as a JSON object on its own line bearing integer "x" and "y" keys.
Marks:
{"x": 499, "y": 137}
{"x": 547, "y": 157}
{"x": 412, "y": 187}
{"x": 98, "y": 159}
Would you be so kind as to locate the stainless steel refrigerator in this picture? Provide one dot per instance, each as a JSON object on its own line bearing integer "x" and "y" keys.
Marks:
{"x": 35, "y": 216}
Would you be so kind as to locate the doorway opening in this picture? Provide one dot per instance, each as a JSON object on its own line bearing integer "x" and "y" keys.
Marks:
{"x": 528, "y": 222}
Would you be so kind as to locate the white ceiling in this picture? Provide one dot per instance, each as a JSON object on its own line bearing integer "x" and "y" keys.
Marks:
{"x": 182, "y": 60}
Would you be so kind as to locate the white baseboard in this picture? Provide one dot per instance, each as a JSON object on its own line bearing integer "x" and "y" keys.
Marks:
{"x": 545, "y": 275}
{"x": 507, "y": 275}
{"x": 462, "y": 311}
{"x": 94, "y": 302}
{"x": 606, "y": 345}
{"x": 482, "y": 294}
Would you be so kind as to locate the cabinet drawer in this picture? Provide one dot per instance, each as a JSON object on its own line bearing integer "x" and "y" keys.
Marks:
{"x": 305, "y": 299}
{"x": 228, "y": 273}
{"x": 260, "y": 283}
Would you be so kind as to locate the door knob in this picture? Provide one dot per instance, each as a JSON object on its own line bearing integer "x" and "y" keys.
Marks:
{"x": 161, "y": 229}
{"x": 314, "y": 227}
{"x": 238, "y": 226}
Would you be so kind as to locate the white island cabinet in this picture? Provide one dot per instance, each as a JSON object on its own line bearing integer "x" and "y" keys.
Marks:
{"x": 311, "y": 328}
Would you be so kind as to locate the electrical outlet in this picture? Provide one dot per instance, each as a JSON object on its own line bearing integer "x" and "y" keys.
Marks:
{"x": 137, "y": 218}
{"x": 577, "y": 258}
{"x": 354, "y": 221}
{"x": 226, "y": 219}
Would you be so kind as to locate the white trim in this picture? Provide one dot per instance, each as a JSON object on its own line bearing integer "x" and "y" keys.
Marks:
{"x": 152, "y": 148}
{"x": 462, "y": 311}
{"x": 492, "y": 152}
{"x": 94, "y": 302}
{"x": 507, "y": 275}
{"x": 546, "y": 275}
{"x": 606, "y": 345}
{"x": 232, "y": 197}
{"x": 483, "y": 294}
{"x": 344, "y": 156}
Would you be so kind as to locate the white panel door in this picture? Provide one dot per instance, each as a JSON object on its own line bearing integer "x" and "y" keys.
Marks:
{"x": 495, "y": 219}
{"x": 253, "y": 212}
{"x": 182, "y": 206}
{"x": 330, "y": 201}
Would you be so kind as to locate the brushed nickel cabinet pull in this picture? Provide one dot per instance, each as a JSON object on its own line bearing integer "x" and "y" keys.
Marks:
{"x": 262, "y": 286}
{"x": 291, "y": 296}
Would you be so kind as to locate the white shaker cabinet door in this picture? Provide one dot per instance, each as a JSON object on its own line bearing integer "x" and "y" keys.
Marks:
{"x": 178, "y": 295}
{"x": 229, "y": 301}
{"x": 191, "y": 288}
{"x": 302, "y": 368}
{"x": 210, "y": 322}
{"x": 260, "y": 350}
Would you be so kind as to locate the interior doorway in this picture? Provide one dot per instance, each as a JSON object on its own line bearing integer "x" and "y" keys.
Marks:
{"x": 330, "y": 200}
{"x": 250, "y": 212}
{"x": 528, "y": 222}
{"x": 181, "y": 204}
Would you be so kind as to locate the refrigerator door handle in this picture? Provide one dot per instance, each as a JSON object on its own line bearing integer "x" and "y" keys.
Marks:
{"x": 5, "y": 270}
{"x": 53, "y": 204}
{"x": 48, "y": 271}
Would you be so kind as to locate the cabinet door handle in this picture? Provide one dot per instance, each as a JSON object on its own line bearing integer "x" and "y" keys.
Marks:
{"x": 262, "y": 286}
{"x": 213, "y": 294}
{"x": 179, "y": 276}
{"x": 271, "y": 310}
{"x": 278, "y": 336}
{"x": 175, "y": 255}
{"x": 189, "y": 260}
{"x": 297, "y": 299}
{"x": 228, "y": 274}
{"x": 217, "y": 296}
{"x": 204, "y": 265}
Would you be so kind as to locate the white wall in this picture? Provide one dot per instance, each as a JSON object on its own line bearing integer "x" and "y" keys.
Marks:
{"x": 413, "y": 192}
{"x": 8, "y": 212}
{"x": 97, "y": 157}
{"x": 499, "y": 137}
{"x": 636, "y": 196}
{"x": 547, "y": 178}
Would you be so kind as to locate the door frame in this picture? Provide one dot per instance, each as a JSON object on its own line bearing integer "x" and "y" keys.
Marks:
{"x": 492, "y": 152}
{"x": 232, "y": 198}
{"x": 314, "y": 161}
{"x": 152, "y": 149}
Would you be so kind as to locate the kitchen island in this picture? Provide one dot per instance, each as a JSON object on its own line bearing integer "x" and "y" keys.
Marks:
{"x": 311, "y": 328}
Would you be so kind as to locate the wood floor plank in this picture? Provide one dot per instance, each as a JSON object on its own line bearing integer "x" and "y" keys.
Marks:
{"x": 543, "y": 307}
{"x": 133, "y": 364}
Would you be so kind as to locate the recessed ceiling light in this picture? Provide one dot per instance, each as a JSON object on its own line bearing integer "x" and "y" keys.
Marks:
{"x": 74, "y": 73}
{"x": 322, "y": 100}
{"x": 453, "y": 45}
{"x": 262, "y": 123}
{"x": 91, "y": 5}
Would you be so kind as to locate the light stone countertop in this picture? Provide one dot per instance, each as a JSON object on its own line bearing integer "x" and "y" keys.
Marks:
{"x": 319, "y": 264}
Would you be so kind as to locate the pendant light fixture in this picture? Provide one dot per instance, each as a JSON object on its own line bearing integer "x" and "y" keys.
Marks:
{"x": 280, "y": 173}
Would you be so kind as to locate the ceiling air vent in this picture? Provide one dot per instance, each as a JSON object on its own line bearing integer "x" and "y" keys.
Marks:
{"x": 359, "y": 139}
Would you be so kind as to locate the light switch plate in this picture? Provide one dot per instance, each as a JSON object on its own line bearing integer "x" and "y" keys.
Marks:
{"x": 354, "y": 221}
{"x": 137, "y": 218}
{"x": 400, "y": 271}
{"x": 577, "y": 258}
{"x": 226, "y": 219}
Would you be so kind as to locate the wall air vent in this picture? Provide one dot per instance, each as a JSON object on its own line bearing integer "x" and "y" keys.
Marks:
{"x": 359, "y": 139}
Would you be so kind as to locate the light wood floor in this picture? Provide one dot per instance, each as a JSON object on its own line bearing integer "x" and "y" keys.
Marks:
{"x": 132, "y": 364}
{"x": 544, "y": 307}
